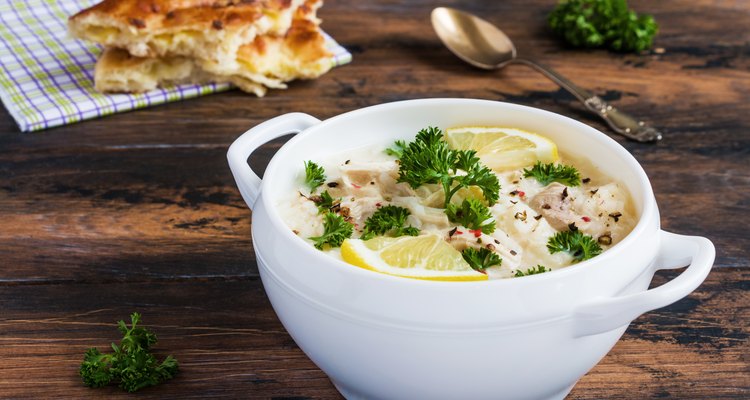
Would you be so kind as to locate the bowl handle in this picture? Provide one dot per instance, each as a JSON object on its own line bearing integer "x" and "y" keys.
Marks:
{"x": 247, "y": 181}
{"x": 605, "y": 314}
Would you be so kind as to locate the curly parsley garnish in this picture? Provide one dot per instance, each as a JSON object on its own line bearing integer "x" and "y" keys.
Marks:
{"x": 579, "y": 246}
{"x": 131, "y": 366}
{"x": 388, "y": 219}
{"x": 428, "y": 159}
{"x": 315, "y": 175}
{"x": 603, "y": 23}
{"x": 539, "y": 269}
{"x": 548, "y": 173}
{"x": 481, "y": 259}
{"x": 471, "y": 214}
{"x": 335, "y": 231}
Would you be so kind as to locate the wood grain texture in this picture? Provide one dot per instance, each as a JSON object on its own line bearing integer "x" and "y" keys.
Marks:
{"x": 138, "y": 211}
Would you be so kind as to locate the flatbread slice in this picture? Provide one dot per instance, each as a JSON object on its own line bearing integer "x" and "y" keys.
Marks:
{"x": 119, "y": 72}
{"x": 206, "y": 29}
{"x": 268, "y": 62}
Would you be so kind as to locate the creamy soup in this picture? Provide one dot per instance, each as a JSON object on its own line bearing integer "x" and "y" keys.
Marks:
{"x": 526, "y": 215}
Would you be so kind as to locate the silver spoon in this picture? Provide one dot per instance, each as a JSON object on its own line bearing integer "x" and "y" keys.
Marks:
{"x": 483, "y": 45}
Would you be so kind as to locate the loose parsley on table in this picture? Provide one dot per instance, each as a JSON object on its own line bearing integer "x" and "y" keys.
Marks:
{"x": 315, "y": 175}
{"x": 335, "y": 230}
{"x": 539, "y": 269}
{"x": 388, "y": 219}
{"x": 603, "y": 23}
{"x": 548, "y": 173}
{"x": 131, "y": 366}
{"x": 580, "y": 246}
{"x": 471, "y": 214}
{"x": 481, "y": 259}
{"x": 429, "y": 160}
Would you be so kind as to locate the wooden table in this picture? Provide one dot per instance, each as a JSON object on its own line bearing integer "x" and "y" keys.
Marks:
{"x": 139, "y": 212}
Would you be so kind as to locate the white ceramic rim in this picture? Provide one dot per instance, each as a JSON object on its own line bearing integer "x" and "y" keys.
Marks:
{"x": 647, "y": 200}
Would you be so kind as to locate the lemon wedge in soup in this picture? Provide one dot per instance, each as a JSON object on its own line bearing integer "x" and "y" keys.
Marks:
{"x": 420, "y": 257}
{"x": 503, "y": 149}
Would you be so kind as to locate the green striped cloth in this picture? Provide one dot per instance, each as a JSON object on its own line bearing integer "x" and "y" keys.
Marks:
{"x": 47, "y": 78}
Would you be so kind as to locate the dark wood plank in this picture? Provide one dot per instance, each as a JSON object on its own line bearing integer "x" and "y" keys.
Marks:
{"x": 230, "y": 343}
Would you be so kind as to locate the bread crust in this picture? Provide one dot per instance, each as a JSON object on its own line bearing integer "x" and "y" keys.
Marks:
{"x": 209, "y": 29}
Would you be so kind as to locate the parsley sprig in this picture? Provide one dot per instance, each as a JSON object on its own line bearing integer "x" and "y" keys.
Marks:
{"x": 603, "y": 23}
{"x": 315, "y": 175}
{"x": 471, "y": 214}
{"x": 539, "y": 269}
{"x": 548, "y": 173}
{"x": 481, "y": 259}
{"x": 325, "y": 202}
{"x": 397, "y": 149}
{"x": 335, "y": 230}
{"x": 580, "y": 246}
{"x": 131, "y": 366}
{"x": 388, "y": 219}
{"x": 429, "y": 160}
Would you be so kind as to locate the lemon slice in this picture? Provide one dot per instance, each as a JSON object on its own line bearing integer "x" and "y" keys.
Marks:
{"x": 420, "y": 257}
{"x": 503, "y": 149}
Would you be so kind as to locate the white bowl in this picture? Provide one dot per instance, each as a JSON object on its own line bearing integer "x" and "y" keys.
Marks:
{"x": 384, "y": 337}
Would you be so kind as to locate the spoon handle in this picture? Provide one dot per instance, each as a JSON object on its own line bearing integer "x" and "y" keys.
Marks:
{"x": 619, "y": 121}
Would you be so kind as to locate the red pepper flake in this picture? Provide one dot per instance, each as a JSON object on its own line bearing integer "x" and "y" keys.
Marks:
{"x": 356, "y": 186}
{"x": 378, "y": 204}
{"x": 521, "y": 194}
{"x": 476, "y": 232}
{"x": 459, "y": 233}
{"x": 586, "y": 219}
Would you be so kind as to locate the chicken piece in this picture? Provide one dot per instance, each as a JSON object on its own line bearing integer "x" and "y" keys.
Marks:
{"x": 360, "y": 209}
{"x": 498, "y": 242}
{"x": 554, "y": 203}
{"x": 605, "y": 213}
{"x": 373, "y": 179}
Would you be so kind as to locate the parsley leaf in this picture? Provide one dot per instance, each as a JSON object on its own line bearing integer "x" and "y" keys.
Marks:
{"x": 580, "y": 246}
{"x": 388, "y": 219}
{"x": 397, "y": 149}
{"x": 602, "y": 23}
{"x": 539, "y": 269}
{"x": 548, "y": 173}
{"x": 315, "y": 175}
{"x": 428, "y": 159}
{"x": 476, "y": 175}
{"x": 481, "y": 259}
{"x": 471, "y": 214}
{"x": 325, "y": 202}
{"x": 131, "y": 365}
{"x": 335, "y": 231}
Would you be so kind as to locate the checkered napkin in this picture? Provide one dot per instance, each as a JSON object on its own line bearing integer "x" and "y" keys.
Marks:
{"x": 47, "y": 77}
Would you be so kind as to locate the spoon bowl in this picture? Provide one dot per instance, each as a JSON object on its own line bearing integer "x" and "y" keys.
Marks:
{"x": 473, "y": 39}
